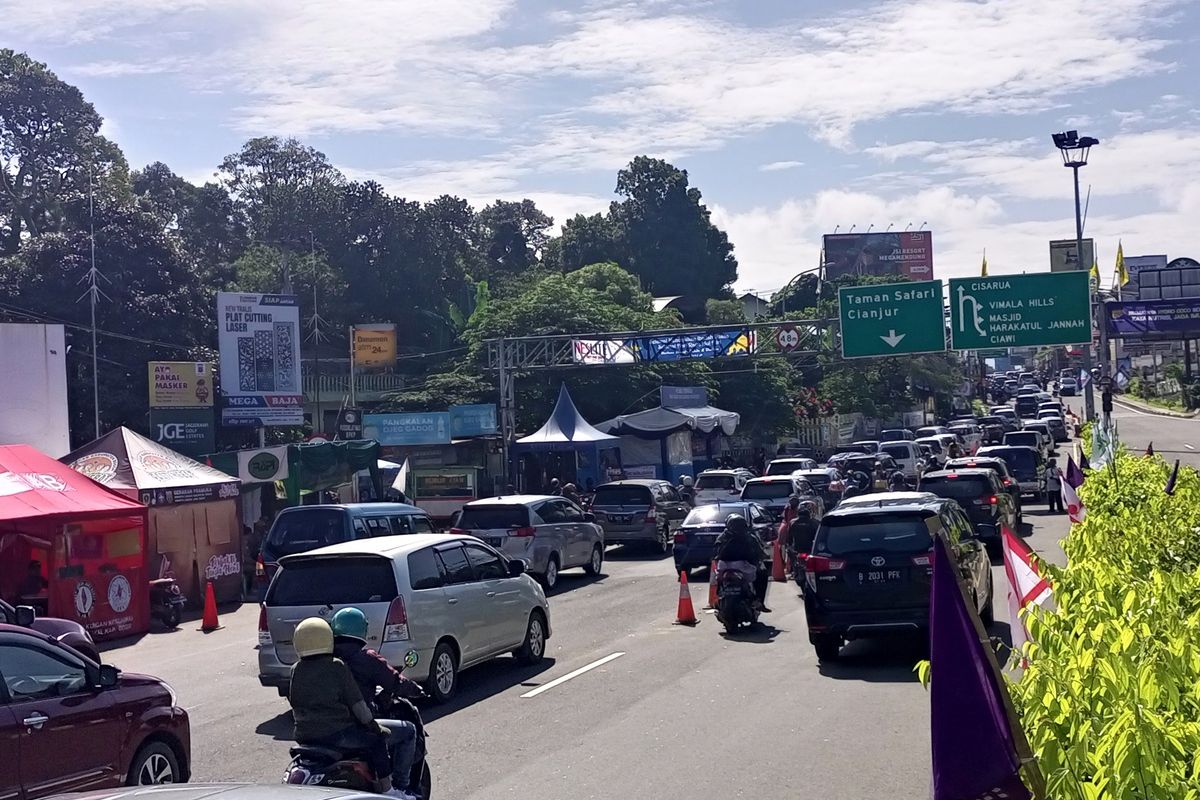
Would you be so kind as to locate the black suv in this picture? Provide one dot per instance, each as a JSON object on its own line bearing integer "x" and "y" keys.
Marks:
{"x": 997, "y": 465}
{"x": 981, "y": 493}
{"x": 871, "y": 564}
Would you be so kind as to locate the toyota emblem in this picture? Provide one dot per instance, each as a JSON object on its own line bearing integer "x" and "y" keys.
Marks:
{"x": 878, "y": 561}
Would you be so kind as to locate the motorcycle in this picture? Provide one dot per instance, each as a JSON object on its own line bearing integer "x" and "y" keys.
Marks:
{"x": 735, "y": 600}
{"x": 166, "y": 601}
{"x": 317, "y": 765}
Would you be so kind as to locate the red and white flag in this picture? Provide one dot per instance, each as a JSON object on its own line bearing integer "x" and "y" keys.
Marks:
{"x": 1071, "y": 502}
{"x": 1026, "y": 586}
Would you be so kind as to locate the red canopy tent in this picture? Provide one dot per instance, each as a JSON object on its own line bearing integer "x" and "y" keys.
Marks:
{"x": 90, "y": 543}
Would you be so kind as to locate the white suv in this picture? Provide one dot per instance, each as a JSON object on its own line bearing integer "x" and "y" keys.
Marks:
{"x": 435, "y": 605}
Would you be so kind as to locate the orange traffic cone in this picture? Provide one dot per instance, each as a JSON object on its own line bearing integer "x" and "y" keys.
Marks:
{"x": 712, "y": 587}
{"x": 210, "y": 622}
{"x": 686, "y": 614}
{"x": 778, "y": 574}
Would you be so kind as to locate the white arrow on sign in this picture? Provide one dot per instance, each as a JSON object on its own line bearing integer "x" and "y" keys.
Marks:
{"x": 893, "y": 339}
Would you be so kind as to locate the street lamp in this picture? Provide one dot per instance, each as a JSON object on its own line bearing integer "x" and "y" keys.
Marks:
{"x": 1075, "y": 149}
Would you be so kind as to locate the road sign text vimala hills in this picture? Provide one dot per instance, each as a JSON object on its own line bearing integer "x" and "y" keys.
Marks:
{"x": 1020, "y": 310}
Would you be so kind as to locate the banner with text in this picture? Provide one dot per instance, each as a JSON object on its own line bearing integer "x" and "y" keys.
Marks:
{"x": 374, "y": 345}
{"x": 908, "y": 253}
{"x": 181, "y": 384}
{"x": 259, "y": 341}
{"x": 189, "y": 431}
{"x": 1154, "y": 319}
{"x": 390, "y": 430}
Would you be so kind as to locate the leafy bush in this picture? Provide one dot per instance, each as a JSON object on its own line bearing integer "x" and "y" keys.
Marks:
{"x": 1110, "y": 700}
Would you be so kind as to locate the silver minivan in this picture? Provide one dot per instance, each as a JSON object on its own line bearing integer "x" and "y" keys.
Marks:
{"x": 435, "y": 605}
{"x": 550, "y": 533}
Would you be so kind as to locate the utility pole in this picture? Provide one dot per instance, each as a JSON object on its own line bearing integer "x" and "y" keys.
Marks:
{"x": 93, "y": 293}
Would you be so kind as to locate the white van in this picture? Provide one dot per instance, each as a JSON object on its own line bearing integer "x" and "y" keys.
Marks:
{"x": 907, "y": 455}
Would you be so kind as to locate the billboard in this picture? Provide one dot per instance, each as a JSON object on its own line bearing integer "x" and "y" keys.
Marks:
{"x": 33, "y": 393}
{"x": 1065, "y": 258}
{"x": 473, "y": 420}
{"x": 259, "y": 341}
{"x": 185, "y": 430}
{"x": 374, "y": 345}
{"x": 715, "y": 343}
{"x": 1154, "y": 319}
{"x": 908, "y": 253}
{"x": 422, "y": 427}
{"x": 181, "y": 384}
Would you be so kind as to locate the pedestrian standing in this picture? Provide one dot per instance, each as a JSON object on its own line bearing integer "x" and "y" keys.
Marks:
{"x": 1053, "y": 488}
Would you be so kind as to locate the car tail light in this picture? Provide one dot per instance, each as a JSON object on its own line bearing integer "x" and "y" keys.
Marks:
{"x": 1008, "y": 481}
{"x": 680, "y": 537}
{"x": 652, "y": 515}
{"x": 523, "y": 532}
{"x": 458, "y": 531}
{"x": 395, "y": 628}
{"x": 264, "y": 632}
{"x": 260, "y": 569}
{"x": 818, "y": 564}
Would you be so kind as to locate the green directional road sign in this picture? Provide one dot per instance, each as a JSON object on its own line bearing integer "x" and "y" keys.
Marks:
{"x": 892, "y": 319}
{"x": 1045, "y": 308}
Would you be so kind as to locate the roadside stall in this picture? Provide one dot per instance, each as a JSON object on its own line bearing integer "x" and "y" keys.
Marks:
{"x": 71, "y": 547}
{"x": 673, "y": 440}
{"x": 568, "y": 448}
{"x": 195, "y": 534}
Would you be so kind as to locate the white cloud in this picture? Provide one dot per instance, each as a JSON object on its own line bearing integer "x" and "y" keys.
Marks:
{"x": 780, "y": 166}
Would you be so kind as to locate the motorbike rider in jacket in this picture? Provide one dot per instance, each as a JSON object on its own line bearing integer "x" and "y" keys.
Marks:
{"x": 739, "y": 548}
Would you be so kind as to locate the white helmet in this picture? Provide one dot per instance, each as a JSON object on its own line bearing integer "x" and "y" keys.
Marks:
{"x": 687, "y": 480}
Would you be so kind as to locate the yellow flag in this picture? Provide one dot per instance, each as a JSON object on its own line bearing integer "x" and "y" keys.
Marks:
{"x": 1122, "y": 273}
{"x": 983, "y": 269}
{"x": 1095, "y": 271}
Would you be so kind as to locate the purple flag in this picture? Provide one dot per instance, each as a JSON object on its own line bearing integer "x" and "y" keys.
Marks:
{"x": 1170, "y": 487}
{"x": 1083, "y": 462}
{"x": 974, "y": 756}
{"x": 1074, "y": 474}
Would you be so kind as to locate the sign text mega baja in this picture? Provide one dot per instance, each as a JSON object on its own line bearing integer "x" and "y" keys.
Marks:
{"x": 259, "y": 340}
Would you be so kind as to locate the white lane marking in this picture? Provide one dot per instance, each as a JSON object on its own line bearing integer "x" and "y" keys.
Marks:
{"x": 1189, "y": 447}
{"x": 570, "y": 675}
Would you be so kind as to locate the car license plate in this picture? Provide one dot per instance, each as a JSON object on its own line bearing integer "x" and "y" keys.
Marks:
{"x": 619, "y": 519}
{"x": 494, "y": 541}
{"x": 706, "y": 538}
{"x": 875, "y": 576}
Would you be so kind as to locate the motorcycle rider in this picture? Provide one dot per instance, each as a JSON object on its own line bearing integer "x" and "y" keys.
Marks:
{"x": 739, "y": 548}
{"x": 687, "y": 490}
{"x": 801, "y": 532}
{"x": 376, "y": 678}
{"x": 329, "y": 710}
{"x": 897, "y": 482}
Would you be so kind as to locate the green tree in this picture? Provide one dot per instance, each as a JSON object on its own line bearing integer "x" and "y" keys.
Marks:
{"x": 667, "y": 234}
{"x": 50, "y": 151}
{"x": 588, "y": 240}
{"x": 511, "y": 238}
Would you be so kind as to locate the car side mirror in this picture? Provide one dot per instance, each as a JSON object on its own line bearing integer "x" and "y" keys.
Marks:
{"x": 516, "y": 567}
{"x": 589, "y": 516}
{"x": 25, "y": 615}
{"x": 108, "y": 676}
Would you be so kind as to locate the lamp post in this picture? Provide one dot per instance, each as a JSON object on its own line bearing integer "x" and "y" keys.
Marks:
{"x": 1074, "y": 149}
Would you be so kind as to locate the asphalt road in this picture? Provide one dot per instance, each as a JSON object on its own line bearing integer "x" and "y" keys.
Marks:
{"x": 681, "y": 711}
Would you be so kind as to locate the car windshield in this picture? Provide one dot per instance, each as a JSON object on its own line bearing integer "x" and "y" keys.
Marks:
{"x": 713, "y": 515}
{"x": 896, "y": 450}
{"x": 767, "y": 490}
{"x": 934, "y": 445}
{"x": 494, "y": 516}
{"x": 787, "y": 466}
{"x": 893, "y": 436}
{"x": 959, "y": 488}
{"x": 333, "y": 581}
{"x": 886, "y": 531}
{"x": 1025, "y": 438}
{"x": 622, "y": 496}
{"x": 307, "y": 529}
{"x": 715, "y": 482}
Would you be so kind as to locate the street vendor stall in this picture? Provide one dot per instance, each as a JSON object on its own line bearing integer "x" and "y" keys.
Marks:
{"x": 71, "y": 547}
{"x": 568, "y": 448}
{"x": 195, "y": 535}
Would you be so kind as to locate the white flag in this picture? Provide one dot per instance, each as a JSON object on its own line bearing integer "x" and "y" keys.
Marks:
{"x": 401, "y": 479}
{"x": 1025, "y": 585}
{"x": 1071, "y": 502}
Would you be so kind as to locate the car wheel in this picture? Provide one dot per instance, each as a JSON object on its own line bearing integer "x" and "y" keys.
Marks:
{"x": 534, "y": 648}
{"x": 987, "y": 615}
{"x": 443, "y": 673}
{"x": 828, "y": 647}
{"x": 550, "y": 577}
{"x": 595, "y": 562}
{"x": 154, "y": 765}
{"x": 664, "y": 543}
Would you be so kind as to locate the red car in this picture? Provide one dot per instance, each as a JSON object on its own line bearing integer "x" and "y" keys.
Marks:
{"x": 68, "y": 724}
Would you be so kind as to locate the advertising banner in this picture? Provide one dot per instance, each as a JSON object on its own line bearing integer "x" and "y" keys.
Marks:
{"x": 391, "y": 430}
{"x": 190, "y": 431}
{"x": 181, "y": 384}
{"x": 1064, "y": 258}
{"x": 33, "y": 392}
{"x": 1154, "y": 319}
{"x": 264, "y": 465}
{"x": 683, "y": 396}
{"x": 374, "y": 345}
{"x": 908, "y": 253}
{"x": 602, "y": 351}
{"x": 473, "y": 420}
{"x": 707, "y": 344}
{"x": 259, "y": 340}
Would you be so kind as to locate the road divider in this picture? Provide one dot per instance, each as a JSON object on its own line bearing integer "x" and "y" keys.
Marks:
{"x": 560, "y": 681}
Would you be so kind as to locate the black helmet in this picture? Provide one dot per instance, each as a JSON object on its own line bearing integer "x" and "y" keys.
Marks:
{"x": 804, "y": 512}
{"x": 736, "y": 523}
{"x": 794, "y": 501}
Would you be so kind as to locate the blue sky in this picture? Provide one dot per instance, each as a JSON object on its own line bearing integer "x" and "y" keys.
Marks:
{"x": 791, "y": 117}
